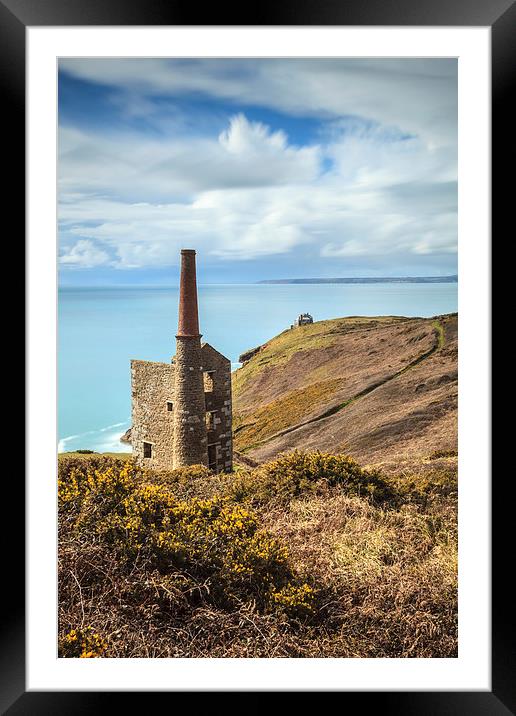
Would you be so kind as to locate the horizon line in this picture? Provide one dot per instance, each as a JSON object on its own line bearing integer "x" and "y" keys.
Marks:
{"x": 334, "y": 279}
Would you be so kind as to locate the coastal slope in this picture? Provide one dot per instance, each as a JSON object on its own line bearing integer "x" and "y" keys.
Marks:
{"x": 380, "y": 389}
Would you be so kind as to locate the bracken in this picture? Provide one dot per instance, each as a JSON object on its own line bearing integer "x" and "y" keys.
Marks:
{"x": 190, "y": 564}
{"x": 213, "y": 540}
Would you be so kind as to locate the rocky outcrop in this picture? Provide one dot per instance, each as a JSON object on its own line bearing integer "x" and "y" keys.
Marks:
{"x": 244, "y": 357}
{"x": 126, "y": 437}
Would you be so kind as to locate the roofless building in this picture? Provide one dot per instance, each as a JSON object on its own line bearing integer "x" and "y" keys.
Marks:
{"x": 181, "y": 411}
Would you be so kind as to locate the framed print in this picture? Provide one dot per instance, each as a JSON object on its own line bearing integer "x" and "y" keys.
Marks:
{"x": 296, "y": 208}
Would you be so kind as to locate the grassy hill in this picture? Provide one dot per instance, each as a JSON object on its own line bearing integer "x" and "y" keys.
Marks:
{"x": 381, "y": 389}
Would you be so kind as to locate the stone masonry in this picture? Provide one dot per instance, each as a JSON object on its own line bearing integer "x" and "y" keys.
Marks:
{"x": 152, "y": 391}
{"x": 181, "y": 411}
{"x": 190, "y": 434}
{"x": 217, "y": 395}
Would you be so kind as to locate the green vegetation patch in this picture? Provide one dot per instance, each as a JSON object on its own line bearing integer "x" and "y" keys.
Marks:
{"x": 282, "y": 413}
{"x": 299, "y": 473}
{"x": 439, "y": 329}
{"x": 116, "y": 455}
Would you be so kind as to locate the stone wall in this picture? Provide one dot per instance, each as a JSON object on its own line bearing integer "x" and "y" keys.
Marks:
{"x": 152, "y": 387}
{"x": 217, "y": 387}
{"x": 190, "y": 440}
{"x": 184, "y": 435}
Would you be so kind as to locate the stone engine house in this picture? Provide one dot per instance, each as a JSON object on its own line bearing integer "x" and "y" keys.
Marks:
{"x": 303, "y": 320}
{"x": 181, "y": 411}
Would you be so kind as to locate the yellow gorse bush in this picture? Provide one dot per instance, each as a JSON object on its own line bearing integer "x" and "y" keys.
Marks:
{"x": 215, "y": 539}
{"x": 295, "y": 600}
{"x": 76, "y": 485}
{"x": 82, "y": 643}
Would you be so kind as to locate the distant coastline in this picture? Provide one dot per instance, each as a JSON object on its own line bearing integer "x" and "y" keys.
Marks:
{"x": 387, "y": 279}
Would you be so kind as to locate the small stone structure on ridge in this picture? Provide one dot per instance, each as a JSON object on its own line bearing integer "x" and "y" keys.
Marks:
{"x": 303, "y": 319}
{"x": 181, "y": 411}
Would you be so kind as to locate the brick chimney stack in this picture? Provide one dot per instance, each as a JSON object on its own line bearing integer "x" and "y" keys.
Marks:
{"x": 188, "y": 312}
{"x": 190, "y": 435}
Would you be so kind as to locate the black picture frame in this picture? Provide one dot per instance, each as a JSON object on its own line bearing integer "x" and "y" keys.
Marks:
{"x": 500, "y": 15}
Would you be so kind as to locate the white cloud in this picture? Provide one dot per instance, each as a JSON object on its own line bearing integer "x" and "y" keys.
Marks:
{"x": 138, "y": 168}
{"x": 244, "y": 137}
{"x": 416, "y": 95}
{"x": 385, "y": 188}
{"x": 331, "y": 217}
{"x": 84, "y": 254}
{"x": 249, "y": 216}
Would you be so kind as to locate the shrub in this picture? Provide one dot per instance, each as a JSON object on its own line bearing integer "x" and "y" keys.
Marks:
{"x": 387, "y": 578}
{"x": 74, "y": 467}
{"x": 100, "y": 482}
{"x": 82, "y": 643}
{"x": 422, "y": 488}
{"x": 298, "y": 472}
{"x": 182, "y": 564}
{"x": 184, "y": 479}
{"x": 442, "y": 453}
{"x": 214, "y": 541}
{"x": 297, "y": 601}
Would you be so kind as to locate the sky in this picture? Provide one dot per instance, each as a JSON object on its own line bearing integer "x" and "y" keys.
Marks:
{"x": 269, "y": 168}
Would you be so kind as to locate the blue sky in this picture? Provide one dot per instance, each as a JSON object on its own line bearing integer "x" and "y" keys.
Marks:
{"x": 269, "y": 168}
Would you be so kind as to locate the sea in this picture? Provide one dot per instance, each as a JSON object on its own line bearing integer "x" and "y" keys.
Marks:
{"x": 101, "y": 329}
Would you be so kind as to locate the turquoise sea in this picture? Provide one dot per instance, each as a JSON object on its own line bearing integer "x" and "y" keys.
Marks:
{"x": 101, "y": 329}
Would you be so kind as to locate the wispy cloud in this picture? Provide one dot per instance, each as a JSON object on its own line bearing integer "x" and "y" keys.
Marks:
{"x": 84, "y": 254}
{"x": 378, "y": 180}
{"x": 418, "y": 95}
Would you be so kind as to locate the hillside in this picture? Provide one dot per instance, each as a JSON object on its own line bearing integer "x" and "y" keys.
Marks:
{"x": 383, "y": 390}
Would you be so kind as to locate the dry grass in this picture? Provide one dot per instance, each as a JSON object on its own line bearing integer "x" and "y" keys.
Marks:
{"x": 380, "y": 575}
{"x": 307, "y": 339}
{"x": 282, "y": 412}
{"x": 373, "y": 389}
{"x": 81, "y": 453}
{"x": 390, "y": 576}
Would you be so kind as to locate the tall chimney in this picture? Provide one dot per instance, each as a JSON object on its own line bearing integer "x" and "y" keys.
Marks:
{"x": 188, "y": 313}
{"x": 190, "y": 436}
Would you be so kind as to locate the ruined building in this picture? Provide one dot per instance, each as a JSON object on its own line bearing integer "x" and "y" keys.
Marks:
{"x": 181, "y": 411}
{"x": 303, "y": 319}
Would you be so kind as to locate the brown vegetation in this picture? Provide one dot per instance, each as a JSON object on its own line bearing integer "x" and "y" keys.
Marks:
{"x": 380, "y": 389}
{"x": 306, "y": 556}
